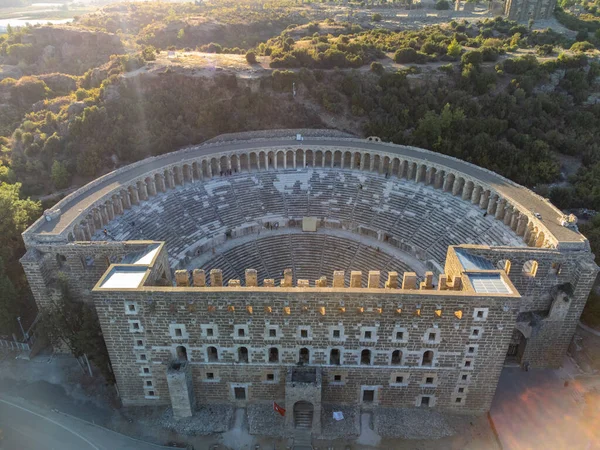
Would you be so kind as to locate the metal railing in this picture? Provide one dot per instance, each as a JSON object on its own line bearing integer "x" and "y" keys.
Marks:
{"x": 14, "y": 346}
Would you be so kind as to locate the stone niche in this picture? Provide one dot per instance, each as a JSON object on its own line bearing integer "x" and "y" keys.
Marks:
{"x": 303, "y": 400}
{"x": 181, "y": 390}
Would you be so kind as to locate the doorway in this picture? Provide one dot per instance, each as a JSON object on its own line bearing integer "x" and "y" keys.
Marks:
{"x": 303, "y": 415}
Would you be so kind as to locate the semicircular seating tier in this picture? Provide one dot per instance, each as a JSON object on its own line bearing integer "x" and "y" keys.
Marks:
{"x": 414, "y": 217}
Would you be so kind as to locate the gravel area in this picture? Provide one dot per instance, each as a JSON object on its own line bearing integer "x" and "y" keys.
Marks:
{"x": 262, "y": 420}
{"x": 349, "y": 428}
{"x": 411, "y": 423}
{"x": 208, "y": 419}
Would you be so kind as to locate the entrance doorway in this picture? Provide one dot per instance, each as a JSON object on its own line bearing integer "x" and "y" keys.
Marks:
{"x": 303, "y": 415}
{"x": 516, "y": 348}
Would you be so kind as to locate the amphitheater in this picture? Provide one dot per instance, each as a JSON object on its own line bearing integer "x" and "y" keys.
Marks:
{"x": 311, "y": 268}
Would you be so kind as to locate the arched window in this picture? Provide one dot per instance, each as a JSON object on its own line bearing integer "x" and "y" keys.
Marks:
{"x": 427, "y": 358}
{"x": 365, "y": 357}
{"x": 242, "y": 355}
{"x": 211, "y": 354}
{"x": 530, "y": 268}
{"x": 182, "y": 353}
{"x": 304, "y": 356}
{"x": 504, "y": 264}
{"x": 334, "y": 357}
{"x": 273, "y": 355}
{"x": 396, "y": 357}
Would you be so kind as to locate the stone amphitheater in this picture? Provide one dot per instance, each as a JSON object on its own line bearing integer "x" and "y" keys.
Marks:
{"x": 311, "y": 269}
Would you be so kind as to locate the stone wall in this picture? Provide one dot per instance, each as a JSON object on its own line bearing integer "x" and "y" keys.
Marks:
{"x": 467, "y": 352}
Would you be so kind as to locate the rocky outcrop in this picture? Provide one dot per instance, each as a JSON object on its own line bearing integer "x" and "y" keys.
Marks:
{"x": 7, "y": 71}
{"x": 59, "y": 82}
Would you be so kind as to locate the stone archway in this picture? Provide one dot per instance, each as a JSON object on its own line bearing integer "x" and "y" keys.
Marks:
{"x": 303, "y": 415}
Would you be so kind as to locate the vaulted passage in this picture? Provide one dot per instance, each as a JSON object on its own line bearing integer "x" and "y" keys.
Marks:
{"x": 303, "y": 415}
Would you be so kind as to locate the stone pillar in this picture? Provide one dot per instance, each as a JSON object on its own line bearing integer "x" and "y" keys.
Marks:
{"x": 251, "y": 278}
{"x": 508, "y": 215}
{"x": 409, "y": 281}
{"x": 133, "y": 193}
{"x": 199, "y": 278}
{"x": 522, "y": 224}
{"x": 428, "y": 283}
{"x": 91, "y": 226}
{"x": 430, "y": 177}
{"x": 421, "y": 173}
{"x": 476, "y": 196}
{"x": 321, "y": 282}
{"x": 443, "y": 282}
{"x": 182, "y": 278}
{"x": 287, "y": 280}
{"x": 85, "y": 231}
{"x": 125, "y": 199}
{"x": 458, "y": 184}
{"x": 151, "y": 187}
{"x": 411, "y": 172}
{"x": 103, "y": 215}
{"x": 160, "y": 183}
{"x": 110, "y": 211}
{"x": 216, "y": 278}
{"x": 485, "y": 200}
{"x": 467, "y": 191}
{"x": 303, "y": 283}
{"x": 181, "y": 389}
{"x": 142, "y": 190}
{"x": 117, "y": 204}
{"x": 492, "y": 205}
{"x": 392, "y": 281}
{"x": 97, "y": 219}
{"x": 374, "y": 278}
{"x": 78, "y": 231}
{"x": 439, "y": 180}
{"x": 449, "y": 182}
{"x": 500, "y": 209}
{"x": 402, "y": 170}
{"x": 514, "y": 220}
{"x": 170, "y": 179}
{"x": 355, "y": 279}
{"x": 338, "y": 279}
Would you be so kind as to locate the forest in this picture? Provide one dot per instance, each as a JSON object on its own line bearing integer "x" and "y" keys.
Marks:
{"x": 496, "y": 93}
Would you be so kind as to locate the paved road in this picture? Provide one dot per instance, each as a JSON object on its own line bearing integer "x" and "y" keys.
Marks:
{"x": 518, "y": 194}
{"x": 27, "y": 427}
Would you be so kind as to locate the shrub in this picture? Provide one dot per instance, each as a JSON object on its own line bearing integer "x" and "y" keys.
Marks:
{"x": 405, "y": 55}
{"x": 442, "y": 5}
{"x": 582, "y": 35}
{"x": 377, "y": 67}
{"x": 454, "y": 49}
{"x": 313, "y": 27}
{"x": 582, "y": 46}
{"x": 211, "y": 48}
{"x": 251, "y": 57}
{"x": 376, "y": 17}
{"x": 545, "y": 50}
{"x": 474, "y": 57}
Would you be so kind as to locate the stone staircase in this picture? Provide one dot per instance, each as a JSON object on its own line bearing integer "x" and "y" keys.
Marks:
{"x": 302, "y": 440}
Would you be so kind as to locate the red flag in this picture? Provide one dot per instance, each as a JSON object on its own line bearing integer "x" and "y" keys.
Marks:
{"x": 279, "y": 409}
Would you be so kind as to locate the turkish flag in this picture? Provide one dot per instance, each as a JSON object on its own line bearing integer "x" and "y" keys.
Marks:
{"x": 279, "y": 409}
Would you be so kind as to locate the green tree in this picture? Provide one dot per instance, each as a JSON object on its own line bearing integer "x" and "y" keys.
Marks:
{"x": 17, "y": 215}
{"x": 60, "y": 175}
{"x": 376, "y": 17}
{"x": 251, "y": 57}
{"x": 8, "y": 303}
{"x": 377, "y": 67}
{"x": 73, "y": 324}
{"x": 442, "y": 5}
{"x": 405, "y": 55}
{"x": 454, "y": 49}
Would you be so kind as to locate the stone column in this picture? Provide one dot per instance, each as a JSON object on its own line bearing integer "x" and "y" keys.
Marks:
{"x": 492, "y": 205}
{"x": 500, "y": 209}
{"x": 522, "y": 224}
{"x": 409, "y": 281}
{"x": 449, "y": 182}
{"x": 411, "y": 172}
{"x": 142, "y": 190}
{"x": 458, "y": 184}
{"x": 85, "y": 231}
{"x": 199, "y": 278}
{"x": 476, "y": 196}
{"x": 485, "y": 200}
{"x": 151, "y": 187}
{"x": 439, "y": 180}
{"x": 467, "y": 191}
{"x": 392, "y": 281}
{"x": 160, "y": 183}
{"x": 182, "y": 278}
{"x": 97, "y": 219}
{"x": 216, "y": 278}
{"x": 430, "y": 177}
{"x": 287, "y": 280}
{"x": 338, "y": 279}
{"x": 91, "y": 227}
{"x": 133, "y": 193}
{"x": 508, "y": 214}
{"x": 374, "y": 277}
{"x": 110, "y": 210}
{"x": 117, "y": 204}
{"x": 103, "y": 215}
{"x": 79, "y": 235}
{"x": 355, "y": 279}
{"x": 428, "y": 283}
{"x": 402, "y": 170}
{"x": 421, "y": 173}
{"x": 170, "y": 179}
{"x": 125, "y": 199}
{"x": 181, "y": 389}
{"x": 251, "y": 278}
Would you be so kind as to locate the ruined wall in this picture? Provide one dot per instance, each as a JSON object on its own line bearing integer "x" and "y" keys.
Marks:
{"x": 548, "y": 337}
{"x": 523, "y": 10}
{"x": 319, "y": 319}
